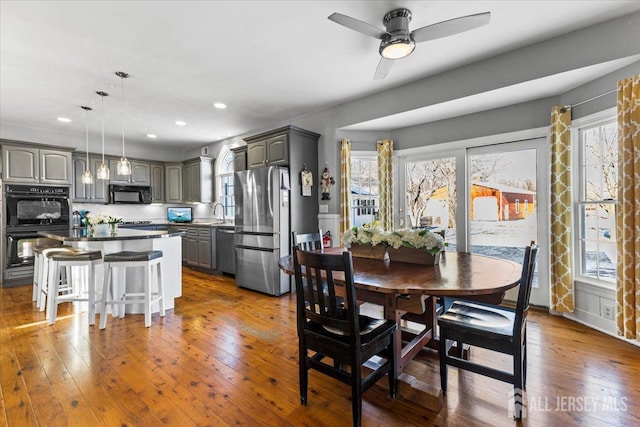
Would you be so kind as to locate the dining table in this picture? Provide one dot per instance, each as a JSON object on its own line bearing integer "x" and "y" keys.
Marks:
{"x": 410, "y": 294}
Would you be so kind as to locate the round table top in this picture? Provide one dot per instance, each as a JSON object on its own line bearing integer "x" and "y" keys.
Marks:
{"x": 457, "y": 274}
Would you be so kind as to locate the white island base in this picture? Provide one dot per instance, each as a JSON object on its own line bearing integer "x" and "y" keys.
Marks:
{"x": 171, "y": 266}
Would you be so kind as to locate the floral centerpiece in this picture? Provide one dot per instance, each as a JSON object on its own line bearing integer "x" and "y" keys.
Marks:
{"x": 415, "y": 246}
{"x": 420, "y": 246}
{"x": 365, "y": 242}
{"x": 96, "y": 222}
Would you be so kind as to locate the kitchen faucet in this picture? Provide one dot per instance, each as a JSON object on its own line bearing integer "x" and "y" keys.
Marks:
{"x": 213, "y": 210}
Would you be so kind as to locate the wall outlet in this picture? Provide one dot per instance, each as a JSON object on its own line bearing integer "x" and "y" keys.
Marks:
{"x": 606, "y": 309}
{"x": 324, "y": 208}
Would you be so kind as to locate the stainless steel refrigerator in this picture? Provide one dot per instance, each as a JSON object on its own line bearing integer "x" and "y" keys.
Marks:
{"x": 262, "y": 228}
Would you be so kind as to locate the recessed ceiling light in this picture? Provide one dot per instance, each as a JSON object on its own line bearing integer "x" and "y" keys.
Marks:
{"x": 220, "y": 105}
{"x": 150, "y": 135}
{"x": 181, "y": 123}
{"x": 64, "y": 120}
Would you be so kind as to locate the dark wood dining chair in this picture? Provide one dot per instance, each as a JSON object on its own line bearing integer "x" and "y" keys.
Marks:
{"x": 496, "y": 328}
{"x": 332, "y": 328}
{"x": 308, "y": 241}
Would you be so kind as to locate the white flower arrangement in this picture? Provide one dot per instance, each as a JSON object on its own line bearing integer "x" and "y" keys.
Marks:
{"x": 103, "y": 219}
{"x": 364, "y": 236}
{"x": 417, "y": 239}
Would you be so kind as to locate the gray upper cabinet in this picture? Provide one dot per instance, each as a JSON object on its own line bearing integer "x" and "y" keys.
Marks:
{"x": 272, "y": 151}
{"x": 197, "y": 180}
{"x": 88, "y": 193}
{"x": 157, "y": 182}
{"x": 173, "y": 183}
{"x": 296, "y": 148}
{"x": 239, "y": 158}
{"x": 140, "y": 173}
{"x": 26, "y": 164}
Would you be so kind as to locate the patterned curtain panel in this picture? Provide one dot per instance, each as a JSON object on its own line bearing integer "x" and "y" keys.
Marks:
{"x": 385, "y": 155}
{"x": 562, "y": 298}
{"x": 628, "y": 216}
{"x": 345, "y": 189}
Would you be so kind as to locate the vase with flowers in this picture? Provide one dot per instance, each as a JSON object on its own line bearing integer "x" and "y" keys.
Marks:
{"x": 364, "y": 242}
{"x": 103, "y": 224}
{"x": 420, "y": 246}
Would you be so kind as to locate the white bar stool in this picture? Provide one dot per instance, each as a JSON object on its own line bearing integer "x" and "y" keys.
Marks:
{"x": 120, "y": 296}
{"x": 41, "y": 272}
{"x": 77, "y": 289}
{"x": 38, "y": 271}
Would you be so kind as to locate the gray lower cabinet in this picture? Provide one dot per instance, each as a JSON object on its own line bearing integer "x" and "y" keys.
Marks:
{"x": 197, "y": 248}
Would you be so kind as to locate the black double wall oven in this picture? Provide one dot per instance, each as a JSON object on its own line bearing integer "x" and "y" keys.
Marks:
{"x": 30, "y": 209}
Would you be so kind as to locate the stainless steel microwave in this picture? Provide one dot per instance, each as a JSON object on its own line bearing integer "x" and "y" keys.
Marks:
{"x": 129, "y": 194}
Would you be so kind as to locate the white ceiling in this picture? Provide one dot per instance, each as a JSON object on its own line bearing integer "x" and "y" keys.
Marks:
{"x": 269, "y": 61}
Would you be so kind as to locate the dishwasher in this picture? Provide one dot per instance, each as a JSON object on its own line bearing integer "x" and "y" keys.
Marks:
{"x": 225, "y": 250}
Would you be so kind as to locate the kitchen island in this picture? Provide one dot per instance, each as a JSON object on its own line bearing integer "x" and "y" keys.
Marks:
{"x": 134, "y": 240}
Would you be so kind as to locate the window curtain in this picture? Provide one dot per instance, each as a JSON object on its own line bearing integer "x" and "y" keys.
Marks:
{"x": 385, "y": 155}
{"x": 562, "y": 295}
{"x": 345, "y": 189}
{"x": 628, "y": 215}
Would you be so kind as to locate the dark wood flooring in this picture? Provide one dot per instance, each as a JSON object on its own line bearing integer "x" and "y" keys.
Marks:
{"x": 227, "y": 356}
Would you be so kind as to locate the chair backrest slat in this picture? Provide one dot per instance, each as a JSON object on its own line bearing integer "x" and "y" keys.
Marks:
{"x": 307, "y": 242}
{"x": 526, "y": 281}
{"x": 320, "y": 303}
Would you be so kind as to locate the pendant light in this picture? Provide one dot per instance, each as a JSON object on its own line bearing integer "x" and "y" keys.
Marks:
{"x": 103, "y": 170}
{"x": 87, "y": 177}
{"x": 123, "y": 167}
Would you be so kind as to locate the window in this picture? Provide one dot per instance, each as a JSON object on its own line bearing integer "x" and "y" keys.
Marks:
{"x": 431, "y": 195}
{"x": 225, "y": 182}
{"x": 598, "y": 179}
{"x": 364, "y": 190}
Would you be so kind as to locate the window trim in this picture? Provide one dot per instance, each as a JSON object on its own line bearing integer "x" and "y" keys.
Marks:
{"x": 360, "y": 155}
{"x": 224, "y": 151}
{"x": 593, "y": 120}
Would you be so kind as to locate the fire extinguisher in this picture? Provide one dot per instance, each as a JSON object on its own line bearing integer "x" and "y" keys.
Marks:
{"x": 326, "y": 239}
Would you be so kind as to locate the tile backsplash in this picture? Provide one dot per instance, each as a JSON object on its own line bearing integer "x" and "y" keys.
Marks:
{"x": 153, "y": 212}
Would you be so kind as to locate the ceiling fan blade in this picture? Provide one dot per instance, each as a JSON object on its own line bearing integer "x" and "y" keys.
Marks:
{"x": 357, "y": 25}
{"x": 451, "y": 27}
{"x": 383, "y": 68}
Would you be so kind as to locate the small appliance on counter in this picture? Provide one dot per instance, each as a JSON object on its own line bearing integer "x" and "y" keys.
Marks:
{"x": 179, "y": 214}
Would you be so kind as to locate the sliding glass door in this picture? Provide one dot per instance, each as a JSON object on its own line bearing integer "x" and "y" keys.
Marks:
{"x": 489, "y": 199}
{"x": 507, "y": 203}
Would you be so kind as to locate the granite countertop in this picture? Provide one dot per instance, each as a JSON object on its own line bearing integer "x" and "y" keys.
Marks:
{"x": 82, "y": 235}
{"x": 199, "y": 224}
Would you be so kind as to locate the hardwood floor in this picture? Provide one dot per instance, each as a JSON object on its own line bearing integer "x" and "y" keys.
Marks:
{"x": 227, "y": 356}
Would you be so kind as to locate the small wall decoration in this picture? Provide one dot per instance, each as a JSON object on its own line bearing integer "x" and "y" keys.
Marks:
{"x": 326, "y": 181}
{"x": 306, "y": 180}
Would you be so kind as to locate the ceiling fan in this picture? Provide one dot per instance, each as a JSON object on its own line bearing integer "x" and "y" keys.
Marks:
{"x": 398, "y": 42}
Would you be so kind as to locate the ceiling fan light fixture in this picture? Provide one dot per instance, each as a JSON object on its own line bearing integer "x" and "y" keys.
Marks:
{"x": 397, "y": 47}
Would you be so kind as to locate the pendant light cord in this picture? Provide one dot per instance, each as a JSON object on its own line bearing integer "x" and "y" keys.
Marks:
{"x": 102, "y": 119}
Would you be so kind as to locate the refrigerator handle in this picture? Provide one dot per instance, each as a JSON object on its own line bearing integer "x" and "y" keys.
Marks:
{"x": 270, "y": 189}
